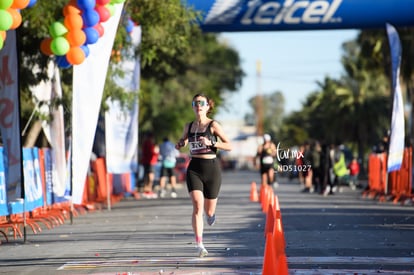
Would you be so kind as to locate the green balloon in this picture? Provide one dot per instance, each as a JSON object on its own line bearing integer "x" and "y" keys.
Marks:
{"x": 59, "y": 46}
{"x": 5, "y": 4}
{"x": 6, "y": 20}
{"x": 57, "y": 29}
{"x": 1, "y": 43}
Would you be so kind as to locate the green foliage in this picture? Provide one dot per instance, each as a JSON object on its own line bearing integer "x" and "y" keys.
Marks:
{"x": 177, "y": 61}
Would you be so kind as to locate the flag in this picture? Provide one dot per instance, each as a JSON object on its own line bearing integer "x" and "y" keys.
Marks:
{"x": 121, "y": 123}
{"x": 88, "y": 85}
{"x": 10, "y": 117}
{"x": 396, "y": 146}
{"x": 46, "y": 91}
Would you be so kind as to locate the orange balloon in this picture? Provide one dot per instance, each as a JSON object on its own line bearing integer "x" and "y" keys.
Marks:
{"x": 75, "y": 56}
{"x": 76, "y": 37}
{"x": 71, "y": 8}
{"x": 3, "y": 35}
{"x": 45, "y": 46}
{"x": 20, "y": 4}
{"x": 17, "y": 18}
{"x": 73, "y": 21}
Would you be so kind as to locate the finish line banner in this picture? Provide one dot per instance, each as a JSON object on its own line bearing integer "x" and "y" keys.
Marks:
{"x": 265, "y": 15}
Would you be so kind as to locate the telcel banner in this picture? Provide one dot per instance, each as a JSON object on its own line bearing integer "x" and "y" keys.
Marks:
{"x": 268, "y": 15}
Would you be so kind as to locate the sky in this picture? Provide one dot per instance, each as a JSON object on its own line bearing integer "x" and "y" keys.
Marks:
{"x": 291, "y": 62}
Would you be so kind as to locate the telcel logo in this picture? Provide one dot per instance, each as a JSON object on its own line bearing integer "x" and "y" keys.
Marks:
{"x": 291, "y": 12}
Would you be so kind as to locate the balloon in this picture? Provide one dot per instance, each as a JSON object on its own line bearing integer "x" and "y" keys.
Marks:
{"x": 5, "y": 4}
{"x": 17, "y": 18}
{"x": 1, "y": 43}
{"x": 70, "y": 9}
{"x": 62, "y": 62}
{"x": 32, "y": 3}
{"x": 102, "y": 2}
{"x": 111, "y": 8}
{"x": 45, "y": 46}
{"x": 3, "y": 35}
{"x": 92, "y": 35}
{"x": 100, "y": 29}
{"x": 76, "y": 37}
{"x": 73, "y": 21}
{"x": 59, "y": 46}
{"x": 90, "y": 18}
{"x": 6, "y": 20}
{"x": 104, "y": 13}
{"x": 75, "y": 56}
{"x": 57, "y": 29}
{"x": 85, "y": 49}
{"x": 20, "y": 4}
{"x": 86, "y": 4}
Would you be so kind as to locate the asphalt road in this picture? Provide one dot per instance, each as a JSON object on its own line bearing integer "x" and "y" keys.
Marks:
{"x": 339, "y": 234}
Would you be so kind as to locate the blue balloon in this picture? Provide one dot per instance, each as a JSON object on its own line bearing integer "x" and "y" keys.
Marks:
{"x": 62, "y": 62}
{"x": 85, "y": 49}
{"x": 86, "y": 4}
{"x": 92, "y": 35}
{"x": 90, "y": 18}
{"x": 31, "y": 3}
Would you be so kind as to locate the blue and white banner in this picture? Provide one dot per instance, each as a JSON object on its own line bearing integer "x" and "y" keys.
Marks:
{"x": 121, "y": 122}
{"x": 33, "y": 187}
{"x": 396, "y": 147}
{"x": 274, "y": 15}
{"x": 3, "y": 194}
{"x": 10, "y": 116}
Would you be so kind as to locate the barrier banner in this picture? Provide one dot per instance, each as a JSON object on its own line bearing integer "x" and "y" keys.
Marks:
{"x": 47, "y": 153}
{"x": 279, "y": 15}
{"x": 88, "y": 85}
{"x": 10, "y": 116}
{"x": 3, "y": 194}
{"x": 32, "y": 179}
{"x": 397, "y": 138}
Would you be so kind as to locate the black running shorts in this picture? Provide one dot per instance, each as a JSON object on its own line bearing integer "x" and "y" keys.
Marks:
{"x": 204, "y": 175}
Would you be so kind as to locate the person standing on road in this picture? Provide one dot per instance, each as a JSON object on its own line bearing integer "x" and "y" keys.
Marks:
{"x": 204, "y": 137}
{"x": 266, "y": 153}
{"x": 149, "y": 158}
{"x": 169, "y": 156}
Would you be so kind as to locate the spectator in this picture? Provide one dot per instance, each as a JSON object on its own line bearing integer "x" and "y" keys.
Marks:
{"x": 354, "y": 173}
{"x": 168, "y": 154}
{"x": 149, "y": 159}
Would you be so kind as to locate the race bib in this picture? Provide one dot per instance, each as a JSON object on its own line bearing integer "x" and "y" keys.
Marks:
{"x": 197, "y": 147}
{"x": 267, "y": 160}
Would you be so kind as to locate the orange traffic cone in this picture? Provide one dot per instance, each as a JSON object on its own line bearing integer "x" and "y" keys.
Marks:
{"x": 279, "y": 248}
{"x": 253, "y": 192}
{"x": 278, "y": 214}
{"x": 269, "y": 260}
{"x": 270, "y": 220}
{"x": 281, "y": 265}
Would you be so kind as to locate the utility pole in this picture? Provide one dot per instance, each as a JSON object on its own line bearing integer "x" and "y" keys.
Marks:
{"x": 259, "y": 100}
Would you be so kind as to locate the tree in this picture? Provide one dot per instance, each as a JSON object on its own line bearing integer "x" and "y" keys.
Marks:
{"x": 273, "y": 106}
{"x": 177, "y": 60}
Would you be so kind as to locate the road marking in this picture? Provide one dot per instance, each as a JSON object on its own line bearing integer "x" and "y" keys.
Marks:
{"x": 250, "y": 265}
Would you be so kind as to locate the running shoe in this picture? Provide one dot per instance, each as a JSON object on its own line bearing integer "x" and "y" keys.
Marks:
{"x": 202, "y": 251}
{"x": 173, "y": 194}
{"x": 211, "y": 220}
